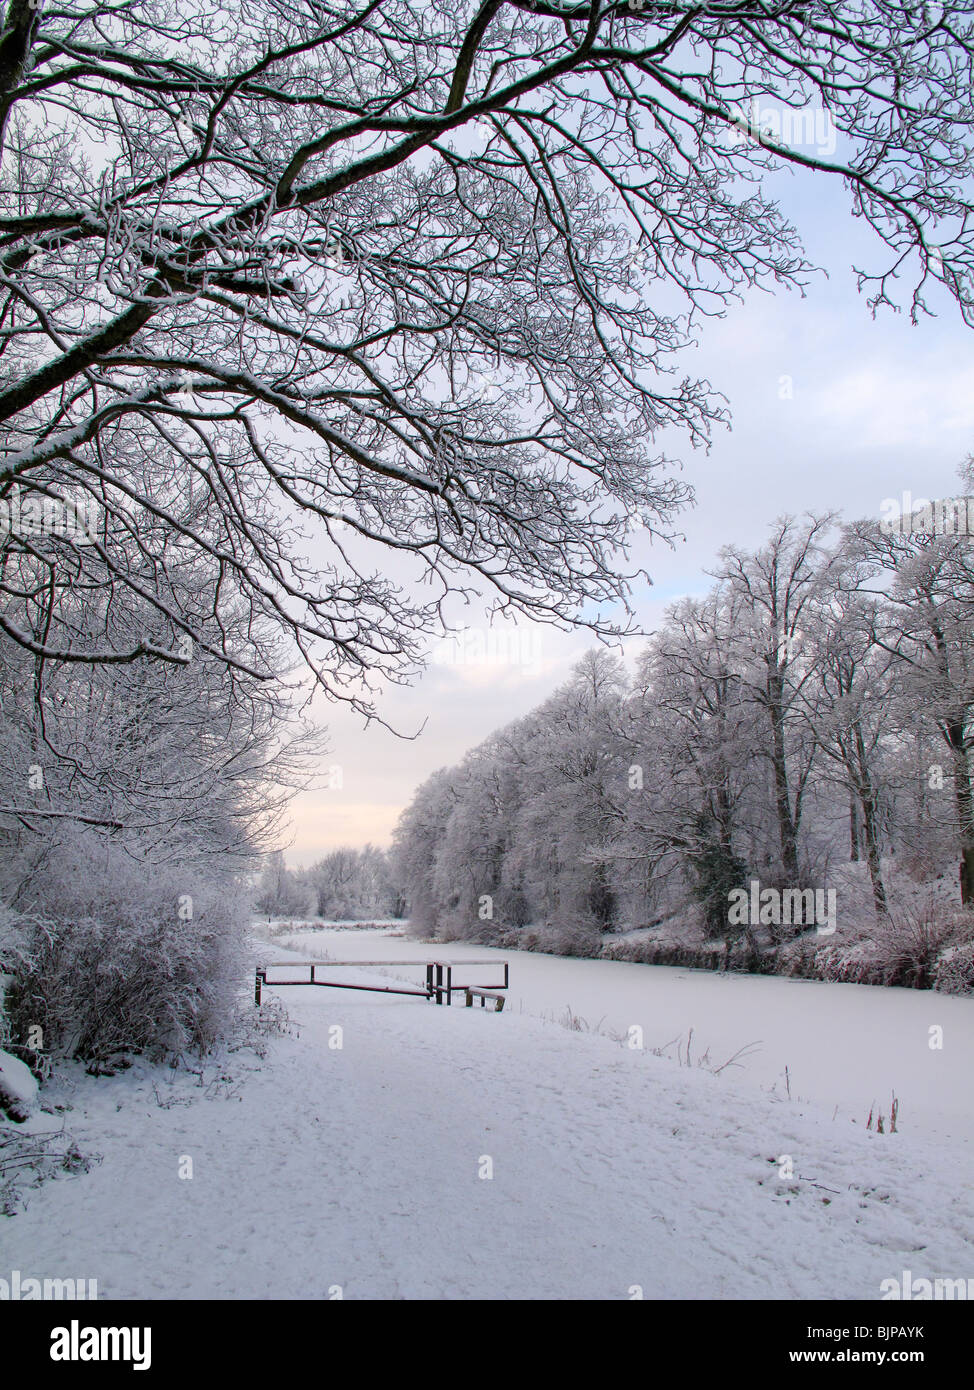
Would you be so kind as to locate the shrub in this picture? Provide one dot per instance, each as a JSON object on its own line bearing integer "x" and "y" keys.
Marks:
{"x": 954, "y": 970}
{"x": 704, "y": 955}
{"x": 916, "y": 937}
{"x": 118, "y": 957}
{"x": 28, "y": 1159}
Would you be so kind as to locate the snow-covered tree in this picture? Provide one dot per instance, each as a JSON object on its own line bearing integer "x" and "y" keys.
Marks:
{"x": 416, "y": 846}
{"x": 373, "y": 281}
{"x": 281, "y": 892}
{"x": 927, "y": 625}
{"x": 354, "y": 884}
{"x": 851, "y": 708}
{"x": 694, "y": 733}
{"x": 771, "y": 591}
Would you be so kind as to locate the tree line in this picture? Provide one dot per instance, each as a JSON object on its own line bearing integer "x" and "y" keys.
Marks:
{"x": 807, "y": 723}
{"x": 356, "y": 885}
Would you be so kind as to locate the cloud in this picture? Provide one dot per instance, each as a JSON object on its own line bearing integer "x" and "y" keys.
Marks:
{"x": 887, "y": 406}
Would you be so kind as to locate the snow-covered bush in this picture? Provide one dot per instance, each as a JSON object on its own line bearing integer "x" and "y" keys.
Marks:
{"x": 910, "y": 945}
{"x": 953, "y": 972}
{"x": 253, "y": 1028}
{"x": 11, "y": 941}
{"x": 702, "y": 955}
{"x": 28, "y": 1158}
{"x": 117, "y": 956}
{"x": 18, "y": 1087}
{"x": 926, "y": 942}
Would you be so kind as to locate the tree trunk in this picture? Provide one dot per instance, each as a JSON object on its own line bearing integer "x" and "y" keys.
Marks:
{"x": 866, "y": 793}
{"x": 853, "y": 829}
{"x": 964, "y": 795}
{"x": 786, "y": 825}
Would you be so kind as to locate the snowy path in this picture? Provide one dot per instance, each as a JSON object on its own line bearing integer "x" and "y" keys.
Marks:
{"x": 359, "y": 1168}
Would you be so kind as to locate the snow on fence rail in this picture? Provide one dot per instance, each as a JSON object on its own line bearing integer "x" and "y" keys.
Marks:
{"x": 439, "y": 979}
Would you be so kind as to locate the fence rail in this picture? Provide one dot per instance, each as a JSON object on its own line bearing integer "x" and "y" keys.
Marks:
{"x": 439, "y": 984}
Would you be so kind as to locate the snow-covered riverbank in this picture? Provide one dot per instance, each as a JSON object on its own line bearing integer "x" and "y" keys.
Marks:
{"x": 462, "y": 1154}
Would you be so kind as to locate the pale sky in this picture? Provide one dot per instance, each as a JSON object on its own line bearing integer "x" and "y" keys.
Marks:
{"x": 877, "y": 407}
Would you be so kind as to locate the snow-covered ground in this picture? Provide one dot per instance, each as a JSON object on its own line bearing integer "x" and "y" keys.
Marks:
{"x": 18, "y": 1087}
{"x": 458, "y": 1153}
{"x": 851, "y": 1046}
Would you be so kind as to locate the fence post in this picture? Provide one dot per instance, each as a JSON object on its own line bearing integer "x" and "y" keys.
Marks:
{"x": 257, "y": 986}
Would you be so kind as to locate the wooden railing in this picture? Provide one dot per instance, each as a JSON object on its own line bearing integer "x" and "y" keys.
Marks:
{"x": 439, "y": 985}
